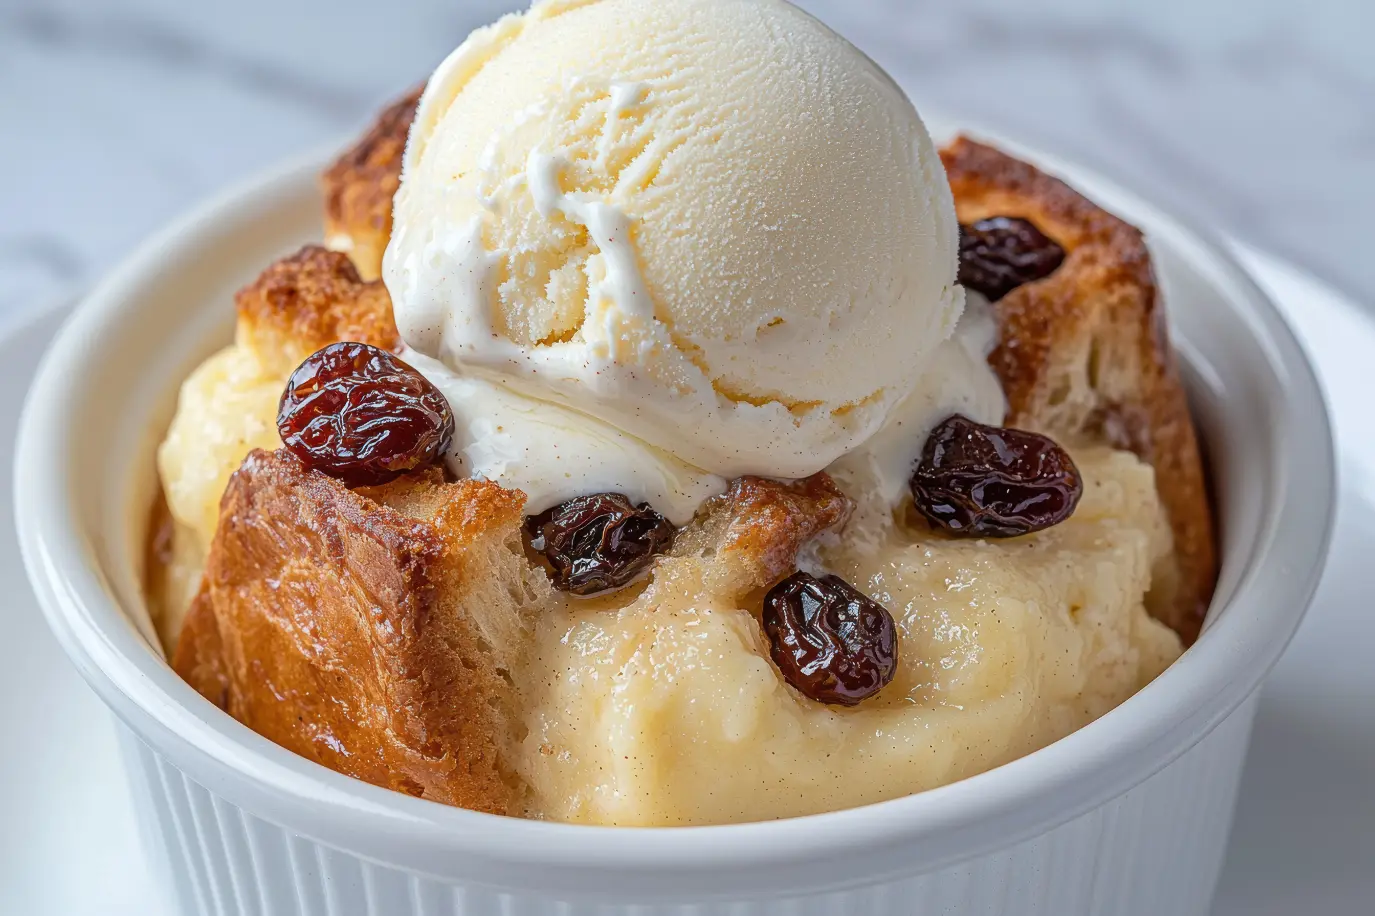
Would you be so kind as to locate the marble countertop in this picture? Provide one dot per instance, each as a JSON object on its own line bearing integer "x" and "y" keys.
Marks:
{"x": 1254, "y": 116}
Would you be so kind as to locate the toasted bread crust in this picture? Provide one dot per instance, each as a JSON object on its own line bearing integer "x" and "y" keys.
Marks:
{"x": 310, "y": 300}
{"x": 199, "y": 657}
{"x": 360, "y": 185}
{"x": 320, "y": 625}
{"x": 1084, "y": 354}
{"x": 755, "y": 529}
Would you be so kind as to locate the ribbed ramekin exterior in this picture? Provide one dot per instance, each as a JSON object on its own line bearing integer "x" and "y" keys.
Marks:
{"x": 1155, "y": 849}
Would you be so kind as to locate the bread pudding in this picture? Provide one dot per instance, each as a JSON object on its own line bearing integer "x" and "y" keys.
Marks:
{"x": 795, "y": 641}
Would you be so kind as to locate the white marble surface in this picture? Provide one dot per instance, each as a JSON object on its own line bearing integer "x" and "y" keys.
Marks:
{"x": 1255, "y": 116}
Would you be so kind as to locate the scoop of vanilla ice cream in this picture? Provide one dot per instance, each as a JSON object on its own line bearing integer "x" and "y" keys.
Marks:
{"x": 713, "y": 225}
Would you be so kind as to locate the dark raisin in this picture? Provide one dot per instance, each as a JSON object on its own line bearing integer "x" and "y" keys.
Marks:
{"x": 600, "y": 542}
{"x": 999, "y": 254}
{"x": 987, "y": 481}
{"x": 831, "y": 641}
{"x": 360, "y": 414}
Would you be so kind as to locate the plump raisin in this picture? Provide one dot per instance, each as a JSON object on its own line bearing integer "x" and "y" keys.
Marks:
{"x": 999, "y": 254}
{"x": 987, "y": 481}
{"x": 830, "y": 640}
{"x": 360, "y": 414}
{"x": 600, "y": 542}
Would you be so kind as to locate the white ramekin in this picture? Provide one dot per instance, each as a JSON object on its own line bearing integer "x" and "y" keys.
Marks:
{"x": 1127, "y": 816}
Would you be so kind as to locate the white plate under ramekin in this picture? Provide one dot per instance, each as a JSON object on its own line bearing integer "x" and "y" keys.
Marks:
{"x": 1129, "y": 815}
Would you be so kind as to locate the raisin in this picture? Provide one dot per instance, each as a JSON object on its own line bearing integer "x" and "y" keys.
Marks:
{"x": 987, "y": 481}
{"x": 358, "y": 413}
{"x": 831, "y": 641}
{"x": 599, "y": 542}
{"x": 999, "y": 254}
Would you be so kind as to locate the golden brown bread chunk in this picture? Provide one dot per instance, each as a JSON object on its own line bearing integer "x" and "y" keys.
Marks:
{"x": 1084, "y": 355}
{"x": 360, "y": 185}
{"x": 310, "y": 300}
{"x": 754, "y": 531}
{"x": 370, "y": 631}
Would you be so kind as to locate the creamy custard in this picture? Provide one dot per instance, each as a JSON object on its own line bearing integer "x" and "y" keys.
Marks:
{"x": 670, "y": 712}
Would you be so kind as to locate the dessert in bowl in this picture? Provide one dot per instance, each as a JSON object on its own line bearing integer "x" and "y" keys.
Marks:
{"x": 800, "y": 600}
{"x": 689, "y": 349}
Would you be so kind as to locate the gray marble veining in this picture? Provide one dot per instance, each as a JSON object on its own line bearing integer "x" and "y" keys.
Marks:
{"x": 1254, "y": 116}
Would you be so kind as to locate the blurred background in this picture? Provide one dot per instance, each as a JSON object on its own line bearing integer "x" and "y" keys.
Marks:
{"x": 1256, "y": 117}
